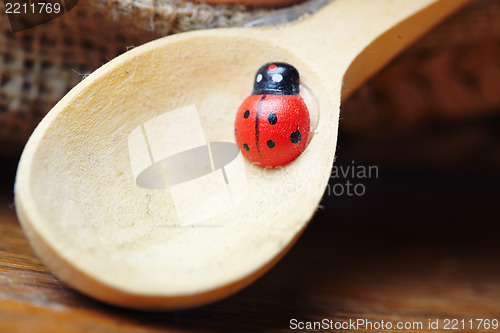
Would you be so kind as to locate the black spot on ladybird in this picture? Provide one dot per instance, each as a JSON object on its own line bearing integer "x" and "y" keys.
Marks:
{"x": 295, "y": 137}
{"x": 272, "y": 118}
{"x": 246, "y": 147}
{"x": 246, "y": 114}
{"x": 270, "y": 143}
{"x": 235, "y": 131}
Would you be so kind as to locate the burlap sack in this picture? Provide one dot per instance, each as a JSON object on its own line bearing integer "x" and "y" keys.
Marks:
{"x": 38, "y": 66}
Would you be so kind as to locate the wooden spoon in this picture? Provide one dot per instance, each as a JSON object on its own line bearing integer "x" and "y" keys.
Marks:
{"x": 109, "y": 238}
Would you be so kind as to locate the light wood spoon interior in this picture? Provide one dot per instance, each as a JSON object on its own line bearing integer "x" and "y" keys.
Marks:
{"x": 98, "y": 231}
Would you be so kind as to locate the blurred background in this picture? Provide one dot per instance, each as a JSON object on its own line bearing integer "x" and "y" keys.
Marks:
{"x": 420, "y": 242}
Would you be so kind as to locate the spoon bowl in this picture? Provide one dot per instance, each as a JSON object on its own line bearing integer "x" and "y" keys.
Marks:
{"x": 91, "y": 224}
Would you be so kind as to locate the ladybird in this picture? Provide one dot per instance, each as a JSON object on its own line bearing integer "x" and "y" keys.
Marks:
{"x": 272, "y": 124}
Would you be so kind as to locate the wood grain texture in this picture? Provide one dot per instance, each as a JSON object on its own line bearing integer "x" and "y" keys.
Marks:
{"x": 424, "y": 246}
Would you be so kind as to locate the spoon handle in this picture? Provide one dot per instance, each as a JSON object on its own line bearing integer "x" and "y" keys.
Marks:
{"x": 349, "y": 40}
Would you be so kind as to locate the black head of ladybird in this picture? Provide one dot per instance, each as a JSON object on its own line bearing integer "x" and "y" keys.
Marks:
{"x": 272, "y": 125}
{"x": 276, "y": 78}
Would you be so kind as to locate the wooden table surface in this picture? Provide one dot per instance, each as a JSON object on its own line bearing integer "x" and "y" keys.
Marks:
{"x": 419, "y": 245}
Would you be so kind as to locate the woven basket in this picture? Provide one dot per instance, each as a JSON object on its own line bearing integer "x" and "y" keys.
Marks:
{"x": 38, "y": 66}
